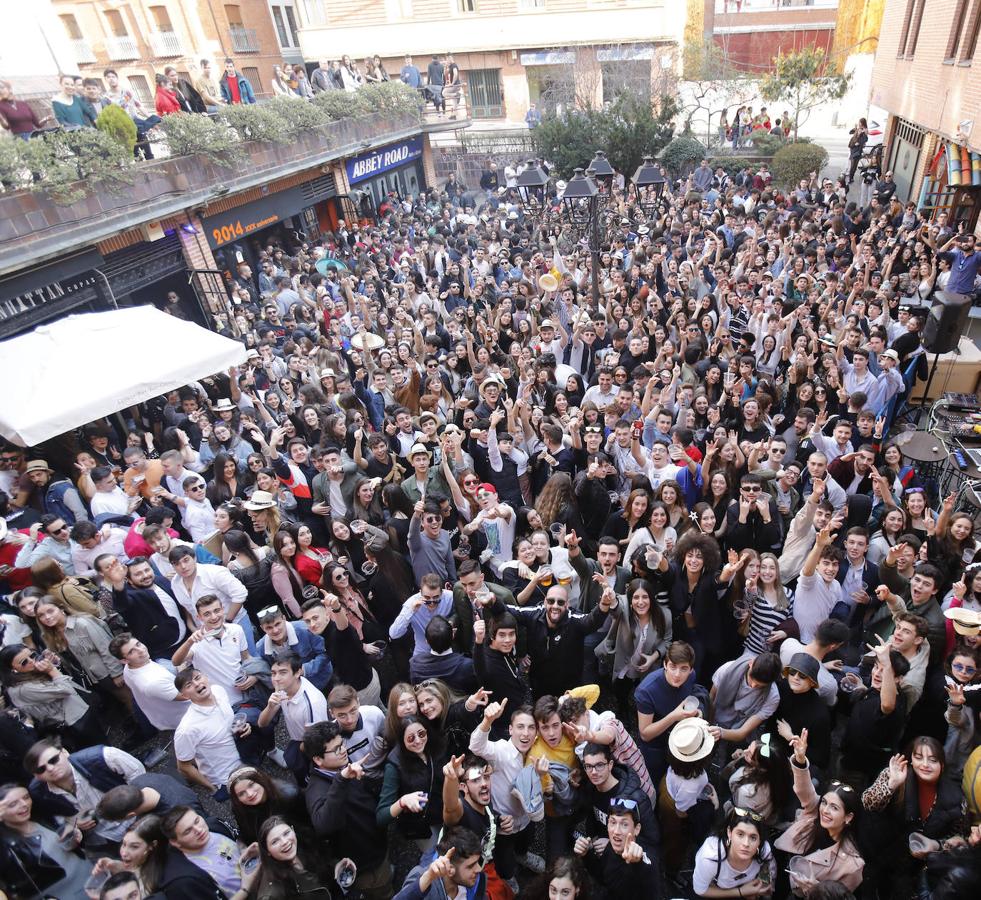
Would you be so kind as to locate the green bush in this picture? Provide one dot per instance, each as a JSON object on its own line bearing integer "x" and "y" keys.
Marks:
{"x": 682, "y": 154}
{"x": 391, "y": 97}
{"x": 342, "y": 104}
{"x": 69, "y": 163}
{"x": 190, "y": 133}
{"x": 115, "y": 122}
{"x": 766, "y": 143}
{"x": 256, "y": 122}
{"x": 732, "y": 164}
{"x": 296, "y": 115}
{"x": 797, "y": 161}
{"x": 13, "y": 172}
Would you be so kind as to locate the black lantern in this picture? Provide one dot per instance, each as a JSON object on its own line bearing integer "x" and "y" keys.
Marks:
{"x": 601, "y": 170}
{"x": 579, "y": 200}
{"x": 649, "y": 183}
{"x": 532, "y": 184}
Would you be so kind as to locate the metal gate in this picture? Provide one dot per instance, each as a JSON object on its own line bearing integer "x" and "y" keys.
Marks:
{"x": 486, "y": 97}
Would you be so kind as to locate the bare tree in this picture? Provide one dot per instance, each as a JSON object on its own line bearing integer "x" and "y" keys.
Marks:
{"x": 713, "y": 83}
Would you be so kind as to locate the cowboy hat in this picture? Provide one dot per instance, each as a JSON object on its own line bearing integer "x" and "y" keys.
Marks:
{"x": 366, "y": 341}
{"x": 223, "y": 405}
{"x": 495, "y": 380}
{"x": 260, "y": 500}
{"x": 690, "y": 740}
{"x": 417, "y": 449}
{"x": 327, "y": 373}
{"x": 37, "y": 465}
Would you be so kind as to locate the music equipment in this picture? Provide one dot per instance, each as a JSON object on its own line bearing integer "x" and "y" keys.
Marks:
{"x": 962, "y": 402}
{"x": 946, "y": 322}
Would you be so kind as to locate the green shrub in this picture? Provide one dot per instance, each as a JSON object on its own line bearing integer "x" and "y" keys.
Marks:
{"x": 190, "y": 133}
{"x": 391, "y": 97}
{"x": 115, "y": 122}
{"x": 296, "y": 115}
{"x": 797, "y": 161}
{"x": 255, "y": 122}
{"x": 766, "y": 143}
{"x": 342, "y": 104}
{"x": 69, "y": 163}
{"x": 732, "y": 164}
{"x": 682, "y": 154}
{"x": 13, "y": 173}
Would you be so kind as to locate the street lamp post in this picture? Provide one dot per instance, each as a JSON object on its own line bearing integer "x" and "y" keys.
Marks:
{"x": 580, "y": 203}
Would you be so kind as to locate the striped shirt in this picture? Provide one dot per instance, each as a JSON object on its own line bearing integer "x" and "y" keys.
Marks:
{"x": 764, "y": 619}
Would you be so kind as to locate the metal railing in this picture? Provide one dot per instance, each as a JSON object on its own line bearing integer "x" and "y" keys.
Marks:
{"x": 82, "y": 50}
{"x": 724, "y": 7}
{"x": 244, "y": 40}
{"x": 124, "y": 47}
{"x": 166, "y": 43}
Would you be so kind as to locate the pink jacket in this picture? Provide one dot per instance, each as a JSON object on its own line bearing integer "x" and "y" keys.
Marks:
{"x": 835, "y": 863}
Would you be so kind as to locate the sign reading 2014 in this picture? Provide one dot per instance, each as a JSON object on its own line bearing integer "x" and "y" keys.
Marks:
{"x": 383, "y": 160}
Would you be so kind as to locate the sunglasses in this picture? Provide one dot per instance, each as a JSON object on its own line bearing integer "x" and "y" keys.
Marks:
{"x": 593, "y": 429}
{"x": 431, "y": 602}
{"x": 960, "y": 667}
{"x": 50, "y": 764}
{"x": 268, "y": 612}
{"x": 555, "y": 601}
{"x": 65, "y": 528}
{"x": 798, "y": 673}
{"x": 623, "y": 803}
{"x": 845, "y": 787}
{"x": 745, "y": 814}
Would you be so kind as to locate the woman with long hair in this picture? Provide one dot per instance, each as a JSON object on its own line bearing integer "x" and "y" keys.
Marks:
{"x": 912, "y": 794}
{"x": 337, "y": 580}
{"x": 35, "y": 684}
{"x": 224, "y": 484}
{"x": 142, "y": 851}
{"x": 412, "y": 790}
{"x": 254, "y": 797}
{"x": 760, "y": 778}
{"x": 657, "y": 533}
{"x": 252, "y": 565}
{"x": 450, "y": 717}
{"x": 634, "y": 515}
{"x": 952, "y": 544}
{"x": 83, "y": 642}
{"x": 669, "y": 493}
{"x": 34, "y": 860}
{"x": 50, "y": 577}
{"x": 402, "y": 702}
{"x": 736, "y": 862}
{"x": 756, "y": 598}
{"x": 291, "y": 867}
{"x": 367, "y": 502}
{"x": 468, "y": 482}
{"x": 398, "y": 509}
{"x": 347, "y": 546}
{"x": 894, "y": 523}
{"x": 564, "y": 879}
{"x": 286, "y": 580}
{"x": 915, "y": 504}
{"x": 825, "y": 830}
{"x": 526, "y": 576}
{"x": 309, "y": 560}
{"x": 717, "y": 490}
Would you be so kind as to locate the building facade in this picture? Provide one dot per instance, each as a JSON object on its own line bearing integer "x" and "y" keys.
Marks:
{"x": 140, "y": 37}
{"x": 511, "y": 53}
{"x": 927, "y": 75}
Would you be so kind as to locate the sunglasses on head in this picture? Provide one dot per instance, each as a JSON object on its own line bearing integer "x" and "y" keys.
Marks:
{"x": 747, "y": 814}
{"x": 845, "y": 787}
{"x": 268, "y": 612}
{"x": 623, "y": 803}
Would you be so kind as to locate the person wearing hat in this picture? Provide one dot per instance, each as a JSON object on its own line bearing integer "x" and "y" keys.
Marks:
{"x": 425, "y": 479}
{"x": 801, "y": 706}
{"x": 490, "y": 390}
{"x": 50, "y": 493}
{"x": 98, "y": 442}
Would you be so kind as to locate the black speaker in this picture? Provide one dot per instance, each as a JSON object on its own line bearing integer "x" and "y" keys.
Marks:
{"x": 946, "y": 322}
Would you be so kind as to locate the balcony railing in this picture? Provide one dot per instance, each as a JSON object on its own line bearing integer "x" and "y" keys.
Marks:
{"x": 82, "y": 50}
{"x": 723, "y": 7}
{"x": 122, "y": 48}
{"x": 244, "y": 40}
{"x": 166, "y": 43}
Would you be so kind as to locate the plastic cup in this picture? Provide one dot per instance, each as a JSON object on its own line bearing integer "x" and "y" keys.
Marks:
{"x": 239, "y": 721}
{"x": 93, "y": 886}
{"x": 66, "y": 837}
{"x": 802, "y": 868}
{"x": 920, "y": 843}
{"x": 346, "y": 877}
{"x": 556, "y": 529}
{"x": 850, "y": 683}
{"x": 690, "y": 704}
{"x": 546, "y": 578}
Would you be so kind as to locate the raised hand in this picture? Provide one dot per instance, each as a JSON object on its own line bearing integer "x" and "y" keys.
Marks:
{"x": 798, "y": 744}
{"x": 898, "y": 767}
{"x": 495, "y": 710}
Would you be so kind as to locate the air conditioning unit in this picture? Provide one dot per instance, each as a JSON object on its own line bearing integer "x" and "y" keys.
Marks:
{"x": 152, "y": 231}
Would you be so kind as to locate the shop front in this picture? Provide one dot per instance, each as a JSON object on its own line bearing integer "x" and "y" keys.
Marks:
{"x": 287, "y": 217}
{"x": 395, "y": 169}
{"x": 69, "y": 284}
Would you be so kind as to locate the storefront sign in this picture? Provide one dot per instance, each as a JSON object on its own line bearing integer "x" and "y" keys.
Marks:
{"x": 242, "y": 221}
{"x": 383, "y": 160}
{"x": 47, "y": 291}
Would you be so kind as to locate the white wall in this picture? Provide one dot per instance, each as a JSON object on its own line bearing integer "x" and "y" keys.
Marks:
{"x": 34, "y": 41}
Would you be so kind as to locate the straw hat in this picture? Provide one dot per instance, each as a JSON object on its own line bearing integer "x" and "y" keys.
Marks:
{"x": 224, "y": 405}
{"x": 417, "y": 449}
{"x": 37, "y": 465}
{"x": 966, "y": 621}
{"x": 690, "y": 740}
{"x": 366, "y": 341}
{"x": 260, "y": 500}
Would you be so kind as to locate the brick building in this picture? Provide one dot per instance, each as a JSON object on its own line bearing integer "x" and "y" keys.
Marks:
{"x": 141, "y": 37}
{"x": 513, "y": 52}
{"x": 926, "y": 78}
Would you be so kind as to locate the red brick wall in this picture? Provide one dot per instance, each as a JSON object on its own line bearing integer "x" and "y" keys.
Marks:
{"x": 753, "y": 51}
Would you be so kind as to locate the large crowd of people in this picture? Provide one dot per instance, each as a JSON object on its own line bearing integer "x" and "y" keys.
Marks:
{"x": 470, "y": 582}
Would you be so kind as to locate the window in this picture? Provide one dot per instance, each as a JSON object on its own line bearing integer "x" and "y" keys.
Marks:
{"x": 486, "y": 98}
{"x": 252, "y": 74}
{"x": 291, "y": 24}
{"x": 466, "y": 6}
{"x": 970, "y": 42}
{"x": 396, "y": 10}
{"x": 161, "y": 18}
{"x": 71, "y": 27}
{"x": 904, "y": 34}
{"x": 914, "y": 29}
{"x": 284, "y": 38}
{"x": 234, "y": 15}
{"x": 116, "y": 24}
{"x": 531, "y": 4}
{"x": 142, "y": 88}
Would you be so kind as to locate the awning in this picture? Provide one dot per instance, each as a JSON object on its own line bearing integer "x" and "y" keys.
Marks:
{"x": 549, "y": 58}
{"x": 66, "y": 373}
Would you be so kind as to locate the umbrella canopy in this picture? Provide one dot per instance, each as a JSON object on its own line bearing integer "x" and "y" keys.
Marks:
{"x": 66, "y": 373}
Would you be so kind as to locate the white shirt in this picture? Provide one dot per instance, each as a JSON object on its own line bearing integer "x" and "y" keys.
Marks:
{"x": 198, "y": 517}
{"x": 602, "y": 400}
{"x": 162, "y": 564}
{"x": 507, "y": 761}
{"x": 204, "y": 736}
{"x": 220, "y": 658}
{"x": 114, "y": 501}
{"x": 209, "y": 579}
{"x": 707, "y": 863}
{"x": 111, "y": 543}
{"x": 153, "y": 690}
{"x": 813, "y": 603}
{"x": 306, "y": 706}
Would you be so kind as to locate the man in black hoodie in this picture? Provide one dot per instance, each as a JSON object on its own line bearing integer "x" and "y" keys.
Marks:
{"x": 607, "y": 784}
{"x": 216, "y": 873}
{"x": 342, "y": 809}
